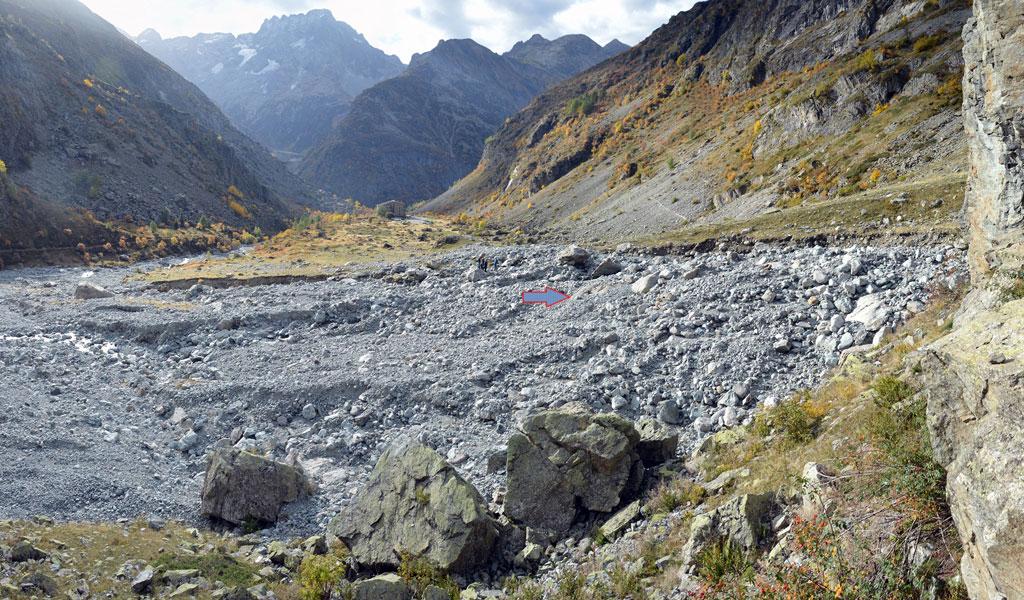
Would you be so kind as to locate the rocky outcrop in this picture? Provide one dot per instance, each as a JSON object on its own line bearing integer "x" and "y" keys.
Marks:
{"x": 570, "y": 460}
{"x": 972, "y": 378}
{"x": 742, "y": 522}
{"x": 414, "y": 502}
{"x": 994, "y": 112}
{"x": 974, "y": 381}
{"x": 241, "y": 487}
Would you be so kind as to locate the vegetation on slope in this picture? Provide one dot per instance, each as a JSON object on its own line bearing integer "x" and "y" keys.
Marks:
{"x": 666, "y": 137}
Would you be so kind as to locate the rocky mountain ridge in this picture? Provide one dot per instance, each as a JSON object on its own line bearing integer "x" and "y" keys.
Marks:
{"x": 411, "y": 137}
{"x": 285, "y": 85}
{"x": 97, "y": 130}
{"x": 732, "y": 110}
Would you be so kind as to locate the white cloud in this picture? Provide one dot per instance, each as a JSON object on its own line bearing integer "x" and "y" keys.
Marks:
{"x": 404, "y": 27}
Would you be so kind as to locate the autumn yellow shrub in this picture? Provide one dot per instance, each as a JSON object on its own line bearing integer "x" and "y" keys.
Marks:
{"x": 3, "y": 168}
{"x": 239, "y": 209}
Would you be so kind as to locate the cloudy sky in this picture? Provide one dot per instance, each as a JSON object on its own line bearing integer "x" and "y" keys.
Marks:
{"x": 403, "y": 27}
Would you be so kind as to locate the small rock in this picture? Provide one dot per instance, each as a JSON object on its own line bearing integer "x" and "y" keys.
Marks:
{"x": 644, "y": 284}
{"x": 668, "y": 412}
{"x": 383, "y": 587}
{"x": 476, "y": 274}
{"x": 88, "y": 291}
{"x": 24, "y": 551}
{"x": 608, "y": 266}
{"x": 41, "y": 582}
{"x": 143, "y": 582}
{"x": 574, "y": 256}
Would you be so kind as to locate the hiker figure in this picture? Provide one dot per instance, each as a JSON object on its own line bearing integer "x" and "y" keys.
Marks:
{"x": 481, "y": 262}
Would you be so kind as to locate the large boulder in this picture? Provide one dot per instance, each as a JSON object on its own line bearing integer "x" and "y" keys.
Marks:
{"x": 745, "y": 522}
{"x": 241, "y": 487}
{"x": 977, "y": 430}
{"x": 416, "y": 503}
{"x": 569, "y": 460}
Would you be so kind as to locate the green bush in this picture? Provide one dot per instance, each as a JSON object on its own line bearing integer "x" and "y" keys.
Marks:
{"x": 583, "y": 104}
{"x": 88, "y": 185}
{"x": 890, "y": 391}
{"x": 677, "y": 493}
{"x": 926, "y": 43}
{"x": 866, "y": 61}
{"x": 797, "y": 419}
{"x": 724, "y": 561}
{"x": 521, "y": 588}
{"x": 572, "y": 586}
{"x": 899, "y": 430}
{"x": 322, "y": 578}
{"x": 420, "y": 574}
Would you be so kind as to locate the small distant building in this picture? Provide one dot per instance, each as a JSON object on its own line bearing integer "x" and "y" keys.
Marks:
{"x": 392, "y": 210}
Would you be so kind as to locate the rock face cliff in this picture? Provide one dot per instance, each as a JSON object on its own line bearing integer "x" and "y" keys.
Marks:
{"x": 286, "y": 84}
{"x": 994, "y": 110}
{"x": 411, "y": 137}
{"x": 90, "y": 121}
{"x": 974, "y": 377}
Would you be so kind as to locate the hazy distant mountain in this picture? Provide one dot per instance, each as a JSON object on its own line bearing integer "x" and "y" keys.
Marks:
{"x": 89, "y": 120}
{"x": 411, "y": 137}
{"x": 286, "y": 84}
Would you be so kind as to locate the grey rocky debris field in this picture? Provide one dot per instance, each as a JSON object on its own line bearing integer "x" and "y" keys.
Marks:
{"x": 112, "y": 405}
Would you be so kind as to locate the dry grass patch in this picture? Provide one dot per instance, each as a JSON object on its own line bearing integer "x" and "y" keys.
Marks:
{"x": 323, "y": 244}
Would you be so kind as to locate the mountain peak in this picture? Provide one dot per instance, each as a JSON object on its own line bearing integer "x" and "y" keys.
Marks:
{"x": 149, "y": 36}
{"x": 616, "y": 46}
{"x": 316, "y": 19}
{"x": 286, "y": 83}
{"x": 451, "y": 49}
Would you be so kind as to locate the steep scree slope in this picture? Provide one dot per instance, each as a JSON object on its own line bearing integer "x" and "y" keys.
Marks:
{"x": 411, "y": 137}
{"x": 90, "y": 121}
{"x": 286, "y": 84}
{"x": 733, "y": 109}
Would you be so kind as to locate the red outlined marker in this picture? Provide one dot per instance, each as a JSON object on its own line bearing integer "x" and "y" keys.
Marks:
{"x": 549, "y": 297}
